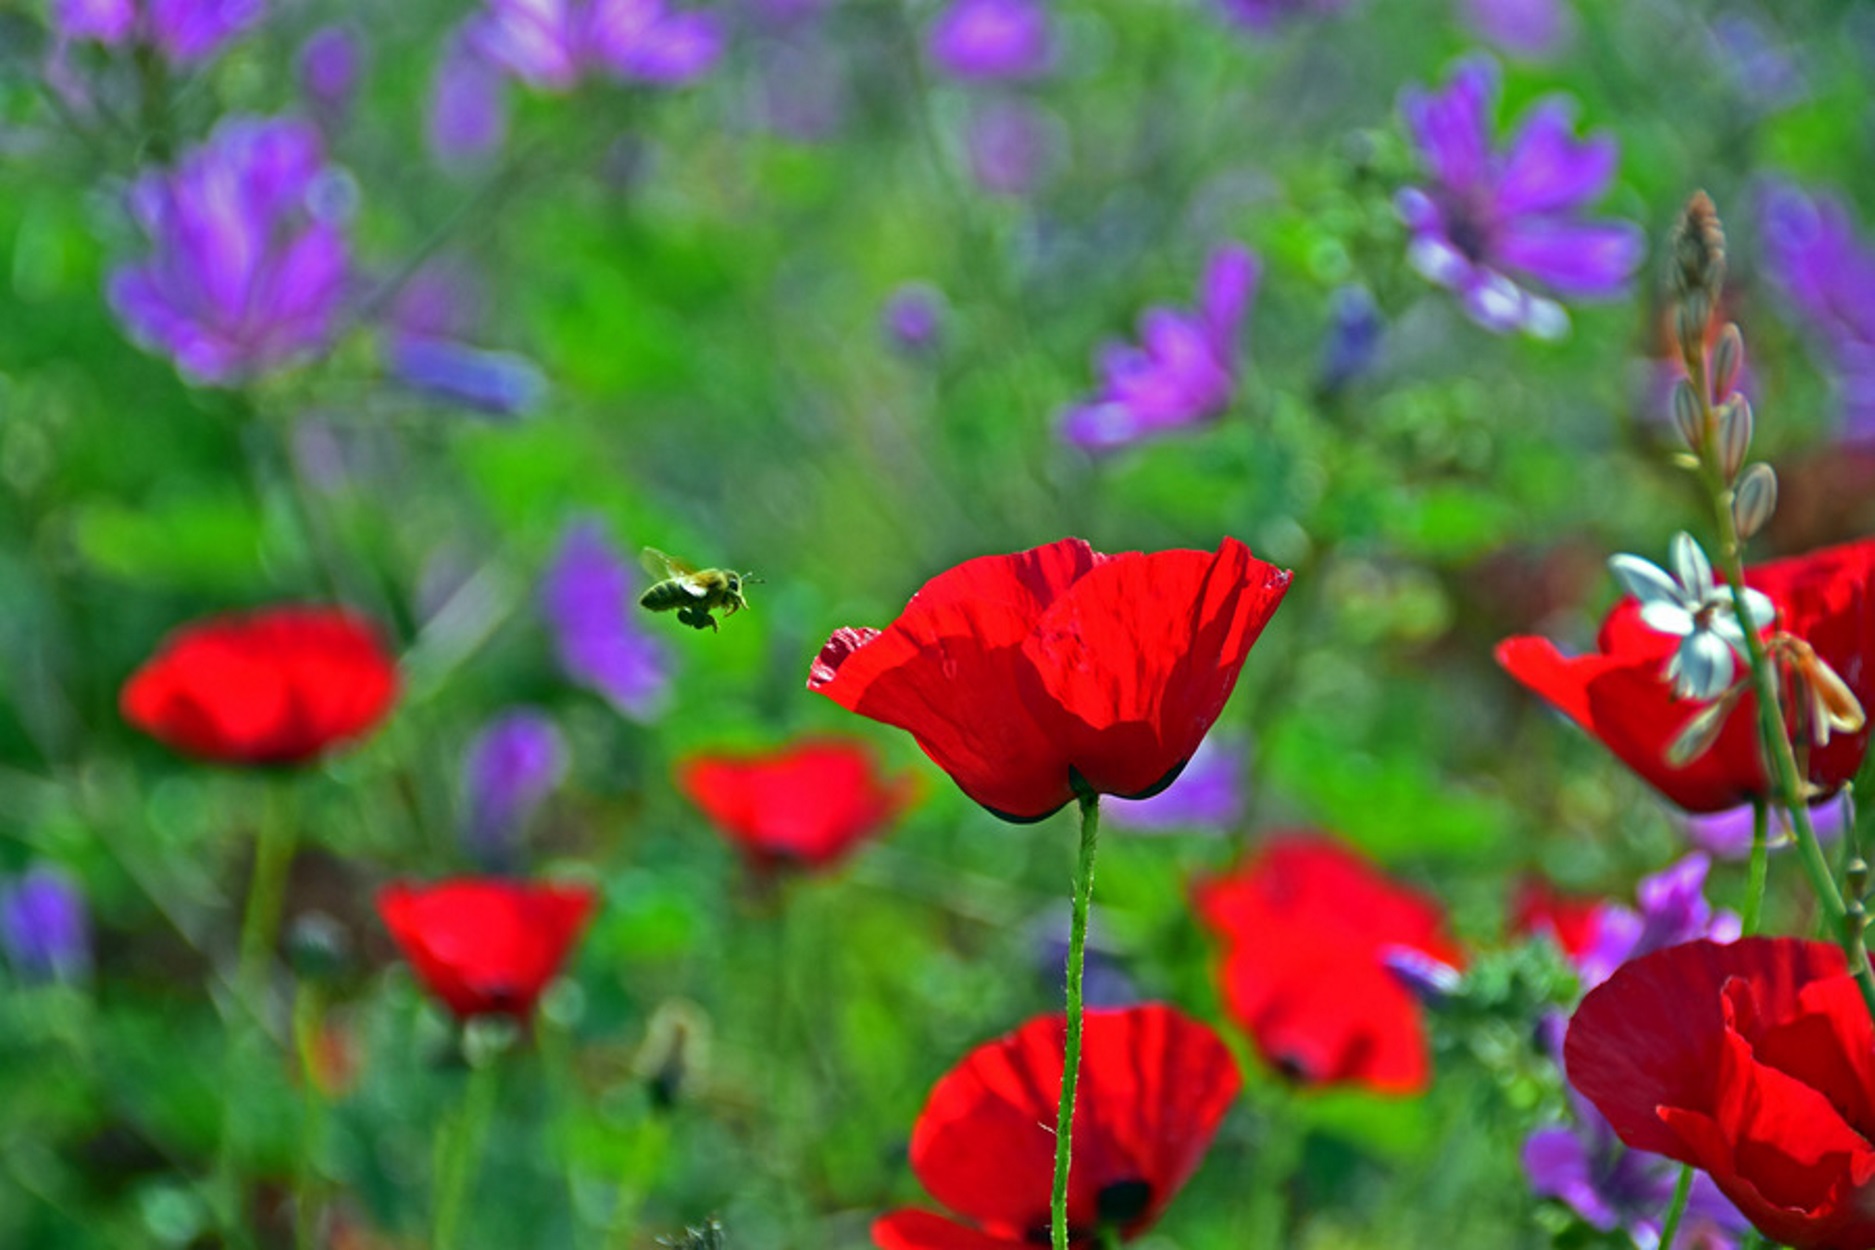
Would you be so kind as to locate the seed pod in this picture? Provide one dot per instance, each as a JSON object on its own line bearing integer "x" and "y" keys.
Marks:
{"x": 1735, "y": 428}
{"x": 1728, "y": 358}
{"x": 1686, "y": 415}
{"x": 1698, "y": 244}
{"x": 1754, "y": 499}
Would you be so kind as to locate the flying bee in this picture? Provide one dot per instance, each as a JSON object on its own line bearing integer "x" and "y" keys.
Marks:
{"x": 693, "y": 593}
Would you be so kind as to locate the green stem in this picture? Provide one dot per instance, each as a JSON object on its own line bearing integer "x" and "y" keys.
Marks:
{"x": 457, "y": 1147}
{"x": 266, "y": 895}
{"x": 1071, "y": 1057}
{"x": 1676, "y": 1210}
{"x": 308, "y": 1202}
{"x": 1788, "y": 783}
{"x": 1109, "y": 1237}
{"x": 1760, "y": 866}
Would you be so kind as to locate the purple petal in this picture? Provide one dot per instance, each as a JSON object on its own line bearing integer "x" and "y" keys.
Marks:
{"x": 1559, "y": 1167}
{"x": 1208, "y": 796}
{"x": 105, "y": 21}
{"x": 1011, "y": 144}
{"x": 587, "y": 598}
{"x": 329, "y": 65}
{"x": 44, "y": 928}
{"x": 1451, "y": 128}
{"x": 991, "y": 39}
{"x": 674, "y": 50}
{"x": 536, "y": 40}
{"x": 194, "y": 30}
{"x": 1580, "y": 259}
{"x": 1547, "y": 170}
{"x": 1532, "y": 29}
{"x": 468, "y": 113}
{"x": 500, "y": 384}
{"x": 1224, "y": 295}
{"x": 510, "y": 768}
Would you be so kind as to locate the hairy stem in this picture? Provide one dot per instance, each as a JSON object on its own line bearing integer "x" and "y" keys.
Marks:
{"x": 1071, "y": 1057}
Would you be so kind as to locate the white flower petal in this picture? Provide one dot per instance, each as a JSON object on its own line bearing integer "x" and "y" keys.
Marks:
{"x": 1645, "y": 580}
{"x": 1703, "y": 666}
{"x": 1691, "y": 567}
{"x": 1668, "y": 618}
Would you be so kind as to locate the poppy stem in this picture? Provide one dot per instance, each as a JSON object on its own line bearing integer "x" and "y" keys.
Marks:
{"x": 1760, "y": 866}
{"x": 458, "y": 1144}
{"x": 1676, "y": 1210}
{"x": 1071, "y": 1055}
{"x": 266, "y": 895}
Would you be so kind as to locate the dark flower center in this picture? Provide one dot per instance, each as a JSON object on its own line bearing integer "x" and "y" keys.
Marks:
{"x": 1123, "y": 1201}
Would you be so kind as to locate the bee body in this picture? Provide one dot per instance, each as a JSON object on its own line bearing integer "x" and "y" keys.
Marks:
{"x": 694, "y": 594}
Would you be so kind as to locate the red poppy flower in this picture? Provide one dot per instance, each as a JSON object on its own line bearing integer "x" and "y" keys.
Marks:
{"x": 809, "y": 804}
{"x": 1153, "y": 1086}
{"x": 1620, "y": 696}
{"x": 486, "y": 946}
{"x": 1310, "y": 934}
{"x": 1754, "y": 1062}
{"x": 1539, "y": 909}
{"x": 278, "y": 686}
{"x": 1020, "y": 674}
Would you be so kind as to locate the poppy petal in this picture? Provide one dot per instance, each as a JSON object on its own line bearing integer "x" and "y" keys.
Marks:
{"x": 486, "y": 946}
{"x": 926, "y": 1230}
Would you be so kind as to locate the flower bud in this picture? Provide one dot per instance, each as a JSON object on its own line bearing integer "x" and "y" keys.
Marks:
{"x": 1754, "y": 499}
{"x": 317, "y": 946}
{"x": 1855, "y": 876}
{"x": 1735, "y": 428}
{"x": 1728, "y": 358}
{"x": 1687, "y": 417}
{"x": 1690, "y": 320}
{"x": 1698, "y": 246}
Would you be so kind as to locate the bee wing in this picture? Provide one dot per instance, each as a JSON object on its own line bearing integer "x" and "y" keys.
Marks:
{"x": 662, "y": 566}
{"x": 695, "y": 586}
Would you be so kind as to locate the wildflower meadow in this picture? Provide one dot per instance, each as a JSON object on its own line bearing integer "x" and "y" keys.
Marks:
{"x": 936, "y": 624}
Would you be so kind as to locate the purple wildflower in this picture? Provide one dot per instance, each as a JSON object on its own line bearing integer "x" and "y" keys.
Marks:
{"x": 246, "y": 274}
{"x": 1611, "y": 1186}
{"x": 1263, "y": 15}
{"x": 1355, "y": 332}
{"x": 553, "y": 44}
{"x": 184, "y": 31}
{"x": 1184, "y": 371}
{"x": 1011, "y": 144}
{"x": 510, "y": 768}
{"x": 1815, "y": 256}
{"x": 913, "y": 318}
{"x": 467, "y": 118}
{"x": 1208, "y": 795}
{"x": 588, "y": 597}
{"x": 1728, "y": 834}
{"x": 499, "y": 384}
{"x": 44, "y": 928}
{"x": 991, "y": 40}
{"x": 1673, "y": 909}
{"x": 330, "y": 62}
{"x": 1532, "y": 29}
{"x": 1488, "y": 222}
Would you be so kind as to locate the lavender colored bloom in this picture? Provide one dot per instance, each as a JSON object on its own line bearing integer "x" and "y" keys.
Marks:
{"x": 330, "y": 62}
{"x": 1611, "y": 1186}
{"x": 587, "y": 598}
{"x": 1208, "y": 795}
{"x": 1104, "y": 979}
{"x": 1532, "y": 29}
{"x": 1011, "y": 144}
{"x": 467, "y": 117}
{"x": 1264, "y": 15}
{"x": 1673, "y": 909}
{"x": 246, "y": 275}
{"x": 184, "y": 31}
{"x": 914, "y": 317}
{"x": 1728, "y": 834}
{"x": 500, "y": 384}
{"x": 553, "y": 44}
{"x": 1814, "y": 255}
{"x": 1183, "y": 372}
{"x": 510, "y": 768}
{"x": 989, "y": 40}
{"x": 1491, "y": 224}
{"x": 44, "y": 928}
{"x": 1355, "y": 332}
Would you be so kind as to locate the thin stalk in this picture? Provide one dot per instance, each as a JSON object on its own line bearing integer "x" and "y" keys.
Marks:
{"x": 266, "y": 896}
{"x": 308, "y": 1201}
{"x": 1071, "y": 1056}
{"x": 1676, "y": 1210}
{"x": 1109, "y": 1237}
{"x": 1760, "y": 865}
{"x": 458, "y": 1145}
{"x": 1781, "y": 757}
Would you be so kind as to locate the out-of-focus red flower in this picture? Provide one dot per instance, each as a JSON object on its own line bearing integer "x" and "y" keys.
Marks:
{"x": 1020, "y": 674}
{"x": 808, "y": 804}
{"x": 486, "y": 946}
{"x": 1540, "y": 909}
{"x": 1754, "y": 1062}
{"x": 278, "y": 686}
{"x": 1309, "y": 929}
{"x": 1620, "y": 696}
{"x": 1153, "y": 1086}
